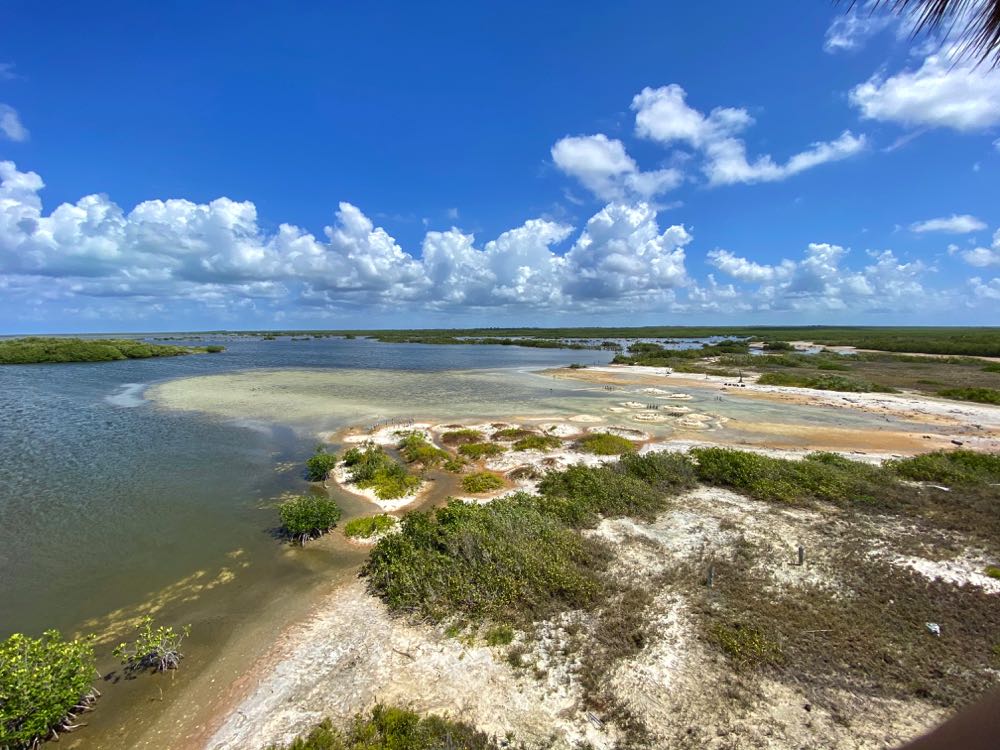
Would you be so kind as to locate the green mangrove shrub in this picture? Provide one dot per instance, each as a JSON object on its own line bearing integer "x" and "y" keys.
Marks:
{"x": 320, "y": 464}
{"x": 157, "y": 649}
{"x": 44, "y": 683}
{"x": 306, "y": 517}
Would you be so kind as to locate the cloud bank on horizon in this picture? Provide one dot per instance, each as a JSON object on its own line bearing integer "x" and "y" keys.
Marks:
{"x": 113, "y": 266}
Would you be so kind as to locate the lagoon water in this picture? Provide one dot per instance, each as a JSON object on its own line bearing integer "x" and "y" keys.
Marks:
{"x": 108, "y": 499}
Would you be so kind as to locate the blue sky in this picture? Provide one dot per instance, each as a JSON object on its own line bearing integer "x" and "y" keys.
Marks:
{"x": 186, "y": 165}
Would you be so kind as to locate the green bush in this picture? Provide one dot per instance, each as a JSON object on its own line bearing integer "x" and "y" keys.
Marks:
{"x": 992, "y": 367}
{"x": 482, "y": 481}
{"x": 979, "y": 395}
{"x": 42, "y": 682}
{"x": 537, "y": 443}
{"x": 605, "y": 444}
{"x": 156, "y": 649}
{"x": 480, "y": 450}
{"x": 512, "y": 433}
{"x": 214, "y": 349}
{"x": 579, "y": 495}
{"x": 319, "y": 465}
{"x": 308, "y": 516}
{"x": 663, "y": 470}
{"x": 949, "y": 467}
{"x": 417, "y": 450}
{"x": 388, "y": 728}
{"x": 369, "y": 526}
{"x": 506, "y": 561}
{"x": 371, "y": 468}
{"x": 778, "y": 346}
{"x": 462, "y": 436}
{"x": 992, "y": 571}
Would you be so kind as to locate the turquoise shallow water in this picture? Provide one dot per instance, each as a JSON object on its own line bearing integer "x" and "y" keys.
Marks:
{"x": 107, "y": 499}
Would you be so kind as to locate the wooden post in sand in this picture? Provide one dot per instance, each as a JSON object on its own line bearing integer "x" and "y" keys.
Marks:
{"x": 710, "y": 577}
{"x": 802, "y": 555}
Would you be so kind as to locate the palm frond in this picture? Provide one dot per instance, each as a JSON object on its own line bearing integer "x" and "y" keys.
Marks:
{"x": 974, "y": 24}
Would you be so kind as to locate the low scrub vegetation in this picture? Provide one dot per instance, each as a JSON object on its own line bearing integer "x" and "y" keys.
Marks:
{"x": 505, "y": 561}
{"x": 537, "y": 443}
{"x": 482, "y": 481}
{"x": 416, "y": 449}
{"x": 462, "y": 436}
{"x": 37, "y": 349}
{"x": 512, "y": 433}
{"x": 389, "y": 728}
{"x": 44, "y": 682}
{"x": 371, "y": 468}
{"x": 308, "y": 516}
{"x": 818, "y": 477}
{"x": 979, "y": 395}
{"x": 476, "y": 451}
{"x": 823, "y": 382}
{"x": 605, "y": 444}
{"x": 949, "y": 467}
{"x": 369, "y": 526}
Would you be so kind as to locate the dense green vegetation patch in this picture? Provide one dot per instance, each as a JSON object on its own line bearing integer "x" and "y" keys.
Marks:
{"x": 482, "y": 481}
{"x": 369, "y": 526}
{"x": 416, "y": 449}
{"x": 389, "y": 728}
{"x": 43, "y": 681}
{"x": 605, "y": 444}
{"x": 506, "y": 561}
{"x": 537, "y": 443}
{"x": 512, "y": 433}
{"x": 823, "y": 382}
{"x": 308, "y": 516}
{"x": 371, "y": 468}
{"x": 817, "y": 477}
{"x": 36, "y": 349}
{"x": 320, "y": 464}
{"x": 949, "y": 467}
{"x": 979, "y": 395}
{"x": 462, "y": 436}
{"x": 480, "y": 450}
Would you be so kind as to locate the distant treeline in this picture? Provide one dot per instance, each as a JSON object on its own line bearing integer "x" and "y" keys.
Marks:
{"x": 983, "y": 342}
{"x": 36, "y": 349}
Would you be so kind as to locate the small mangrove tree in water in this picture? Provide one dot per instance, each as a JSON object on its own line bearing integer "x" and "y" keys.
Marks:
{"x": 157, "y": 649}
{"x": 308, "y": 516}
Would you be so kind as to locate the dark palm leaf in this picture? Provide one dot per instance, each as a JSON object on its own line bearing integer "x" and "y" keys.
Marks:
{"x": 975, "y": 23}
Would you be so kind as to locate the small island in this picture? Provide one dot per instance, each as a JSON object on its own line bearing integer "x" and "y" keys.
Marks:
{"x": 39, "y": 349}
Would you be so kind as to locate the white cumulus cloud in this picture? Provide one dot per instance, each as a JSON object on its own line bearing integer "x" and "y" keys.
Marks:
{"x": 954, "y": 224}
{"x": 940, "y": 93}
{"x": 602, "y": 165}
{"x": 663, "y": 115}
{"x": 981, "y": 257}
